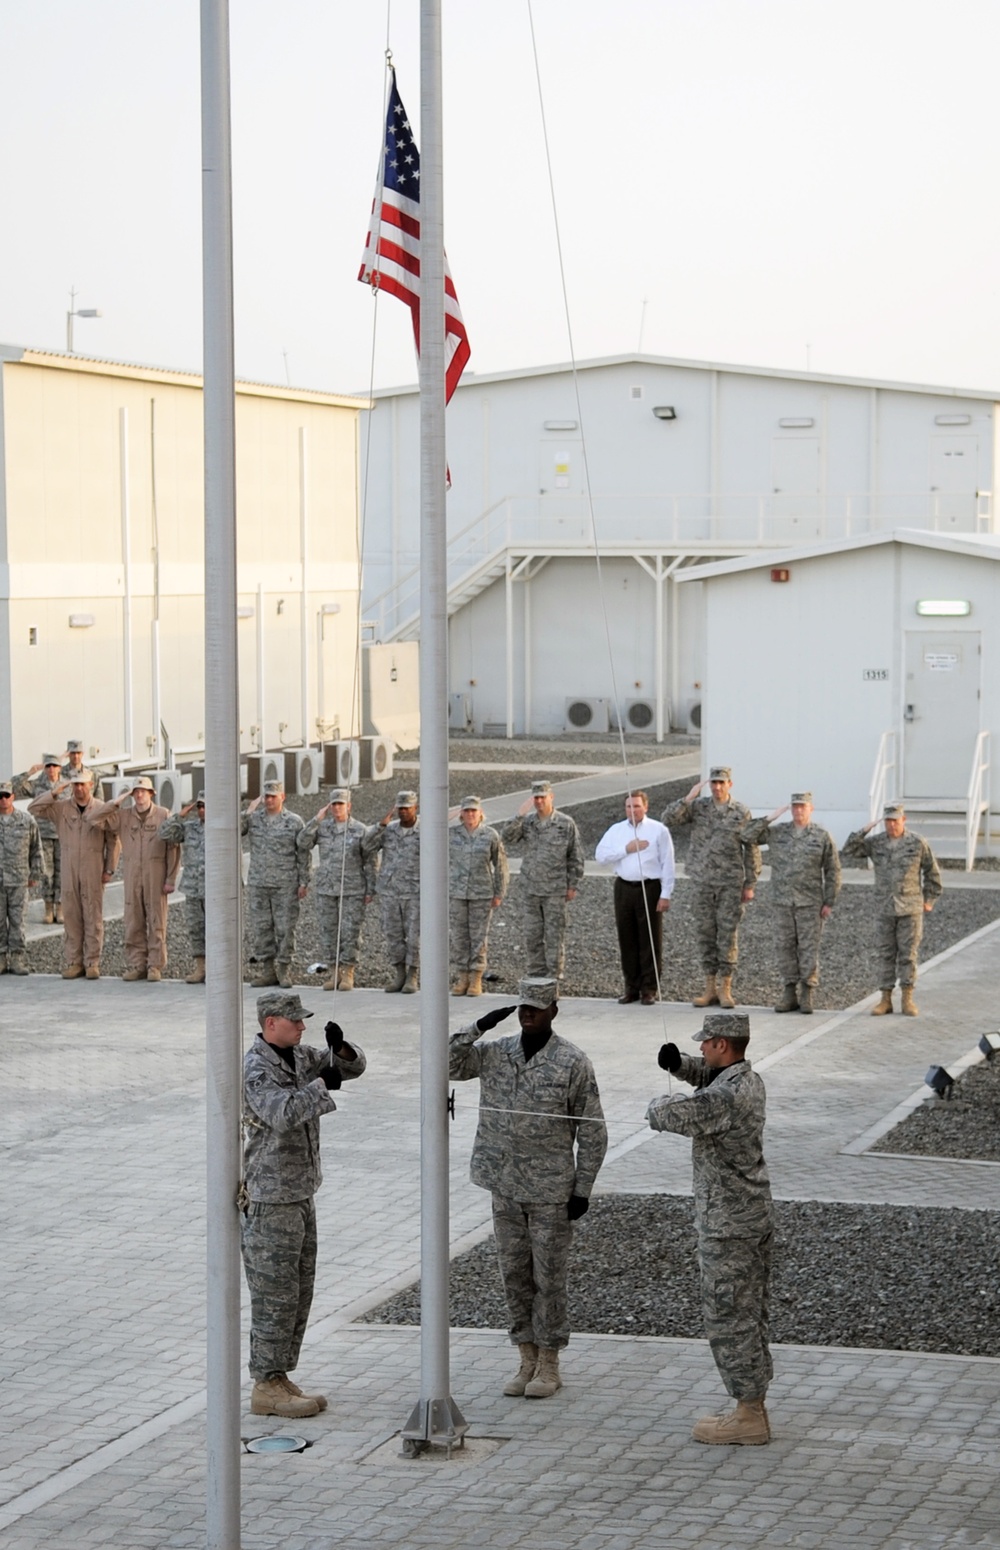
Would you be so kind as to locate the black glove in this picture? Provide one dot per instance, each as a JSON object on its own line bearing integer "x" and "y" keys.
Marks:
{"x": 490, "y": 1019}
{"x": 334, "y": 1035}
{"x": 331, "y": 1077}
{"x": 576, "y": 1207}
{"x": 669, "y": 1058}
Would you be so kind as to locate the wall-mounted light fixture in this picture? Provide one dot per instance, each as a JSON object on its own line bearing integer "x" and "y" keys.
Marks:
{"x": 561, "y": 425}
{"x": 943, "y": 608}
{"x": 781, "y": 573}
{"x": 82, "y": 621}
{"x": 281, "y": 605}
{"x": 665, "y": 412}
{"x": 797, "y": 422}
{"x": 330, "y": 608}
{"x": 953, "y": 419}
{"x": 245, "y": 611}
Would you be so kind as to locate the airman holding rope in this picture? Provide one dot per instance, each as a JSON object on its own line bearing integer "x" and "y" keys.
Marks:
{"x": 345, "y": 884}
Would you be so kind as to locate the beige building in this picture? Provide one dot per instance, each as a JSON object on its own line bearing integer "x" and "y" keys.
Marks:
{"x": 102, "y": 570}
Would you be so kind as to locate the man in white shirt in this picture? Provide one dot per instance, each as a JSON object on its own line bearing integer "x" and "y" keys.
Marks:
{"x": 642, "y": 853}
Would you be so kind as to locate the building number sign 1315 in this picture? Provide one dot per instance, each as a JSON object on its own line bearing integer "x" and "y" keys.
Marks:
{"x": 873, "y": 675}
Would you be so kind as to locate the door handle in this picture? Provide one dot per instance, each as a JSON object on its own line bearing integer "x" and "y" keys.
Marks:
{"x": 910, "y": 713}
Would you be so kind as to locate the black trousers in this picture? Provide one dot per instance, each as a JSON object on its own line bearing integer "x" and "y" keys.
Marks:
{"x": 640, "y": 932}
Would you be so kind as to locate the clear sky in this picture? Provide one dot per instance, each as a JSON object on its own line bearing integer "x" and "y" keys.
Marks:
{"x": 765, "y": 175}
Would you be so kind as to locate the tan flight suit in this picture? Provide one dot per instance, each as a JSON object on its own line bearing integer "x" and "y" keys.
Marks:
{"x": 85, "y": 853}
{"x": 147, "y": 863}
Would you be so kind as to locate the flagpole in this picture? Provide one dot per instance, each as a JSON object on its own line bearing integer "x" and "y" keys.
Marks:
{"x": 435, "y": 1417}
{"x": 224, "y": 987}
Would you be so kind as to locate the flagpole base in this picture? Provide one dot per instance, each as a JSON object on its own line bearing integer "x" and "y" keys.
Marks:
{"x": 433, "y": 1423}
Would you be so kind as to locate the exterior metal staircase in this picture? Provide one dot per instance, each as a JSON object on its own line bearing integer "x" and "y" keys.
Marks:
{"x": 952, "y": 826}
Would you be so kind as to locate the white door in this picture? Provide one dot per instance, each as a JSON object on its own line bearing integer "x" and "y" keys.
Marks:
{"x": 795, "y": 486}
{"x": 954, "y": 479}
{"x": 941, "y": 711}
{"x": 561, "y": 507}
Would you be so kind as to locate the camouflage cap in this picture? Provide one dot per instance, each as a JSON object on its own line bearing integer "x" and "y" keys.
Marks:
{"x": 893, "y": 810}
{"x": 143, "y": 783}
{"x": 801, "y": 798}
{"x": 6, "y": 789}
{"x": 720, "y": 772}
{"x": 51, "y": 758}
{"x": 200, "y": 798}
{"x": 406, "y": 799}
{"x": 74, "y": 745}
{"x": 541, "y": 788}
{"x": 471, "y": 805}
{"x": 281, "y": 1003}
{"x": 340, "y": 794}
{"x": 274, "y": 788}
{"x": 723, "y": 1025}
{"x": 537, "y": 992}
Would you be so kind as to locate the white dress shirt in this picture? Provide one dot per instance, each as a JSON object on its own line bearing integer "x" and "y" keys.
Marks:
{"x": 640, "y": 865}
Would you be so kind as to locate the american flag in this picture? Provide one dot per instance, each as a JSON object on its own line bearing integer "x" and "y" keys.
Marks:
{"x": 391, "y": 259}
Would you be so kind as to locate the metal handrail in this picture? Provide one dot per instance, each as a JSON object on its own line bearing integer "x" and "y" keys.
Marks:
{"x": 885, "y": 762}
{"x": 975, "y": 800}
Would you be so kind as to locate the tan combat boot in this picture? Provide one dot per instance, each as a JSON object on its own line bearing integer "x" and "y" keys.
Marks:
{"x": 546, "y": 1381}
{"x": 461, "y": 986}
{"x": 475, "y": 983}
{"x": 398, "y": 977}
{"x": 284, "y": 974}
{"x": 726, "y": 992}
{"x": 747, "y": 1424}
{"x": 345, "y": 977}
{"x": 908, "y": 1006}
{"x": 263, "y": 975}
{"x": 17, "y": 965}
{"x": 708, "y": 996}
{"x": 298, "y": 1393}
{"x": 197, "y": 975}
{"x": 271, "y": 1397}
{"x": 93, "y": 971}
{"x": 884, "y": 1008}
{"x": 789, "y": 1001}
{"x": 411, "y": 984}
{"x": 806, "y": 999}
{"x": 72, "y": 971}
{"x": 154, "y": 976}
{"x": 516, "y": 1385}
{"x": 131, "y": 975}
{"x": 58, "y": 914}
{"x": 49, "y": 912}
{"x": 330, "y": 983}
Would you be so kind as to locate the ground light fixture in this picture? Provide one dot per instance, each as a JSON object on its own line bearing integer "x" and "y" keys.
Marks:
{"x": 940, "y": 1081}
{"x": 276, "y": 1443}
{"x": 990, "y": 1044}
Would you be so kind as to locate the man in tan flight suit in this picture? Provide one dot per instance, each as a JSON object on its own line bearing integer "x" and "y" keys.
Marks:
{"x": 88, "y": 859}
{"x": 150, "y": 869}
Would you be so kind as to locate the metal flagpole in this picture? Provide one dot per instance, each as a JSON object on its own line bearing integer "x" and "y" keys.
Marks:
{"x": 435, "y": 1417}
{"x": 224, "y": 986}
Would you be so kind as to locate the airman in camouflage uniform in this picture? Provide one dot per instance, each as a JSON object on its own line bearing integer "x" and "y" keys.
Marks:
{"x": 733, "y": 1213}
{"x": 907, "y": 881}
{"x": 35, "y": 783}
{"x": 724, "y": 869}
{"x": 21, "y": 864}
{"x": 187, "y": 829}
{"x": 287, "y": 1088}
{"x": 398, "y": 889}
{"x": 74, "y": 770}
{"x": 276, "y": 884}
{"x": 477, "y": 883}
{"x": 539, "y": 1146}
{"x": 345, "y": 884}
{"x": 550, "y": 875}
{"x": 805, "y": 882}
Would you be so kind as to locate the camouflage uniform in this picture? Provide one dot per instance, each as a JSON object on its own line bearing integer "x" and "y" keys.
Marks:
{"x": 552, "y": 867}
{"x": 733, "y": 1213}
{"x": 345, "y": 878}
{"x": 283, "y": 1101}
{"x": 21, "y": 864}
{"x": 398, "y": 887}
{"x": 529, "y": 1165}
{"x": 477, "y": 874}
{"x": 906, "y": 877}
{"x": 277, "y": 871}
{"x": 190, "y": 832}
{"x": 32, "y": 786}
{"x": 805, "y": 876}
{"x": 721, "y": 864}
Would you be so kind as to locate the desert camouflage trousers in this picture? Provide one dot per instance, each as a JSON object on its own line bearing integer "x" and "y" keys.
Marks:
{"x": 897, "y": 943}
{"x": 273, "y": 914}
{"x": 545, "y": 916}
{"x": 194, "y": 918}
{"x": 12, "y": 904}
{"x": 735, "y": 1289}
{"x": 717, "y": 912}
{"x": 401, "y": 925}
{"x": 52, "y": 880}
{"x": 279, "y": 1258}
{"x": 797, "y": 930}
{"x": 533, "y": 1244}
{"x": 340, "y": 920}
{"x": 469, "y": 923}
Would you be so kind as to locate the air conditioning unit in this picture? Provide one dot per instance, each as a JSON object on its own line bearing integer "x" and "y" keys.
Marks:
{"x": 460, "y": 713}
{"x": 342, "y": 763}
{"x": 262, "y": 767}
{"x": 301, "y": 771}
{"x": 167, "y": 785}
{"x": 376, "y": 758}
{"x": 587, "y": 715}
{"x": 640, "y": 716}
{"x": 691, "y": 715}
{"x": 112, "y": 786}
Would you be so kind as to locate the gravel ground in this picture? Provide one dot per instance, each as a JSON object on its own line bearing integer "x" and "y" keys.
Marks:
{"x": 890, "y": 1277}
{"x": 965, "y": 1125}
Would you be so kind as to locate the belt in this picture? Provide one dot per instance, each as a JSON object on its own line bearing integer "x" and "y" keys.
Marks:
{"x": 628, "y": 883}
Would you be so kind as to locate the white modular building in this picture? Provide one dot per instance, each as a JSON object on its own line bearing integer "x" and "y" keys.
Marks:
{"x": 866, "y": 670}
{"x": 649, "y": 466}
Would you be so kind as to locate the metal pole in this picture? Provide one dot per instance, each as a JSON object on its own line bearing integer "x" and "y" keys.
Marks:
{"x": 224, "y": 988}
{"x": 260, "y": 667}
{"x": 304, "y": 603}
{"x": 126, "y": 499}
{"x": 435, "y": 1417}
